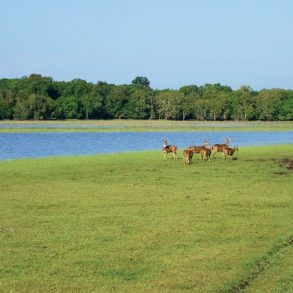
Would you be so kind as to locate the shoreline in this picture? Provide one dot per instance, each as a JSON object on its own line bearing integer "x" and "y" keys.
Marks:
{"x": 140, "y": 152}
{"x": 141, "y": 126}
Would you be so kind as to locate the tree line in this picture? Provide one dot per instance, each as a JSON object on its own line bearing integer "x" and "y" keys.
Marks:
{"x": 42, "y": 98}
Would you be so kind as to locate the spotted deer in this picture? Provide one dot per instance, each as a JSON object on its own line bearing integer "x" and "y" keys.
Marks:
{"x": 219, "y": 147}
{"x": 170, "y": 149}
{"x": 187, "y": 156}
{"x": 205, "y": 154}
{"x": 195, "y": 149}
{"x": 229, "y": 151}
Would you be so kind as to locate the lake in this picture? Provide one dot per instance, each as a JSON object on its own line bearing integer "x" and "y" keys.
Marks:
{"x": 30, "y": 145}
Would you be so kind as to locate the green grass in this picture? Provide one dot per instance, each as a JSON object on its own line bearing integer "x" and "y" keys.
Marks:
{"x": 133, "y": 222}
{"x": 141, "y": 125}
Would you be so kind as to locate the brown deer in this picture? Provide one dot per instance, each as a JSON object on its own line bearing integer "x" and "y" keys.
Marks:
{"x": 229, "y": 151}
{"x": 170, "y": 149}
{"x": 205, "y": 154}
{"x": 187, "y": 156}
{"x": 195, "y": 149}
{"x": 219, "y": 147}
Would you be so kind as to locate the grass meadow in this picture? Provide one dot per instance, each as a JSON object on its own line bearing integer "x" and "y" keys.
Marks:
{"x": 120, "y": 125}
{"x": 133, "y": 222}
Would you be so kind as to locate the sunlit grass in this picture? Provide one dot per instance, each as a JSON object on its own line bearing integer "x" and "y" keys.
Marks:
{"x": 132, "y": 222}
{"x": 141, "y": 125}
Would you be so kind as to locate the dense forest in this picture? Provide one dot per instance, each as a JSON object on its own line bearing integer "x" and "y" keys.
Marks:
{"x": 42, "y": 98}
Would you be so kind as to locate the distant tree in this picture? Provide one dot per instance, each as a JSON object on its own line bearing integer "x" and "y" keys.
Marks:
{"x": 269, "y": 103}
{"x": 68, "y": 108}
{"x": 286, "y": 108}
{"x": 141, "y": 81}
{"x": 39, "y": 97}
{"x": 189, "y": 90}
{"x": 168, "y": 104}
{"x": 227, "y": 107}
{"x": 202, "y": 109}
{"x": 116, "y": 101}
{"x": 243, "y": 104}
{"x": 138, "y": 105}
{"x": 4, "y": 110}
{"x": 185, "y": 106}
{"x": 103, "y": 88}
{"x": 40, "y": 107}
{"x": 8, "y": 96}
{"x": 91, "y": 106}
{"x": 286, "y": 111}
{"x": 77, "y": 87}
{"x": 21, "y": 109}
{"x": 215, "y": 108}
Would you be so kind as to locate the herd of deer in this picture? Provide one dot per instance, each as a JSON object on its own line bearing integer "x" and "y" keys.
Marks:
{"x": 204, "y": 151}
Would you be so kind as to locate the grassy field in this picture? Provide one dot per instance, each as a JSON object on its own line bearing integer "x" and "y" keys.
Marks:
{"x": 133, "y": 222}
{"x": 141, "y": 125}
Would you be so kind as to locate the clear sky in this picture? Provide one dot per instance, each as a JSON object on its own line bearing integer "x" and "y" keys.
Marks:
{"x": 171, "y": 42}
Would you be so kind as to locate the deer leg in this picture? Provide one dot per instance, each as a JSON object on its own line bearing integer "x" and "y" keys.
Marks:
{"x": 185, "y": 160}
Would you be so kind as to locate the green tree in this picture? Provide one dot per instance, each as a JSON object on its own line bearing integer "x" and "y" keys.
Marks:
{"x": 202, "y": 109}
{"x": 189, "y": 90}
{"x": 168, "y": 104}
{"x": 243, "y": 103}
{"x": 21, "y": 109}
{"x": 4, "y": 110}
{"x": 286, "y": 108}
{"x": 141, "y": 81}
{"x": 138, "y": 105}
{"x": 116, "y": 101}
{"x": 76, "y": 88}
{"x": 91, "y": 106}
{"x": 215, "y": 108}
{"x": 269, "y": 103}
{"x": 185, "y": 106}
{"x": 68, "y": 108}
{"x": 40, "y": 107}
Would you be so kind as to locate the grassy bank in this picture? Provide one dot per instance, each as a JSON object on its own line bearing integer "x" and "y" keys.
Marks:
{"x": 141, "y": 125}
{"x": 132, "y": 222}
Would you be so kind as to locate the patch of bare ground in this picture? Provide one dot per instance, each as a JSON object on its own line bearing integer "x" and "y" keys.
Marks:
{"x": 288, "y": 163}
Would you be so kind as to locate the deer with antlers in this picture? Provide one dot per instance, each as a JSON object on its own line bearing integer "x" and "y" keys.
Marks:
{"x": 229, "y": 152}
{"x": 204, "y": 150}
{"x": 195, "y": 149}
{"x": 169, "y": 149}
{"x": 219, "y": 147}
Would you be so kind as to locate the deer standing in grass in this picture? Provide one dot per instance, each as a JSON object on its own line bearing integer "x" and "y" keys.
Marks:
{"x": 195, "y": 149}
{"x": 169, "y": 149}
{"x": 219, "y": 147}
{"x": 205, "y": 152}
{"x": 229, "y": 152}
{"x": 187, "y": 156}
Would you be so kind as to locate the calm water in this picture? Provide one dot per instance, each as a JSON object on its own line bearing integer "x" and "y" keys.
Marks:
{"x": 25, "y": 145}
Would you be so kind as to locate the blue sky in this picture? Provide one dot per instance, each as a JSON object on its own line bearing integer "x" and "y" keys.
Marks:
{"x": 173, "y": 43}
